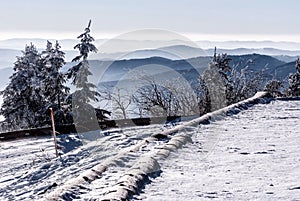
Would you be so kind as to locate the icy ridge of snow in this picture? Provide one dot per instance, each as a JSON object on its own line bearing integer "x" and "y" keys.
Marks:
{"x": 147, "y": 166}
{"x": 130, "y": 183}
{"x": 259, "y": 97}
{"x": 96, "y": 171}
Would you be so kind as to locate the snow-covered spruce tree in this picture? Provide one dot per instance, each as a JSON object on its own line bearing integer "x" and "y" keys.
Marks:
{"x": 83, "y": 111}
{"x": 23, "y": 98}
{"x": 294, "y": 81}
{"x": 54, "y": 81}
{"x": 217, "y": 79}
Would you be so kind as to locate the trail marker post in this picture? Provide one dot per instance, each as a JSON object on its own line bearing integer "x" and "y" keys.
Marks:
{"x": 53, "y": 130}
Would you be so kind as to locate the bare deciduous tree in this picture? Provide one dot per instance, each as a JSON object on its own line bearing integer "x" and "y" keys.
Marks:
{"x": 156, "y": 99}
{"x": 119, "y": 99}
{"x": 245, "y": 83}
{"x": 172, "y": 98}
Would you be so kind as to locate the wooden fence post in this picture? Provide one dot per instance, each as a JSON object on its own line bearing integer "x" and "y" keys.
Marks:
{"x": 54, "y": 133}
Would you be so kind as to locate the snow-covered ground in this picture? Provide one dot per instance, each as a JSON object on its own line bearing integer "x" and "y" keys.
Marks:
{"x": 253, "y": 155}
{"x": 257, "y": 157}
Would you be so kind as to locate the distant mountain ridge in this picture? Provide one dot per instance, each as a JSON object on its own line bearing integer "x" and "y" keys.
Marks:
{"x": 68, "y": 44}
{"x": 189, "y": 68}
{"x": 114, "y": 71}
{"x": 118, "y": 49}
{"x": 178, "y": 52}
{"x": 234, "y": 44}
{"x": 276, "y": 62}
{"x": 265, "y": 51}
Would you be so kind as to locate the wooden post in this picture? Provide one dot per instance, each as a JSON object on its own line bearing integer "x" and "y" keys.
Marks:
{"x": 54, "y": 133}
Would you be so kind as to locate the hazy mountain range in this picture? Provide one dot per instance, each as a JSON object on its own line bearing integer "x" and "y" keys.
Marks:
{"x": 111, "y": 66}
{"x": 118, "y": 49}
{"x": 191, "y": 68}
{"x": 8, "y": 56}
{"x": 118, "y": 45}
{"x": 105, "y": 71}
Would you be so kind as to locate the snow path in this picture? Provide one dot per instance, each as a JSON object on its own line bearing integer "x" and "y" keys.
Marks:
{"x": 116, "y": 166}
{"x": 257, "y": 157}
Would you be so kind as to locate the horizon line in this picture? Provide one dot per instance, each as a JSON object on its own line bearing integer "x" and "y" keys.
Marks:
{"x": 195, "y": 37}
{"x": 106, "y": 39}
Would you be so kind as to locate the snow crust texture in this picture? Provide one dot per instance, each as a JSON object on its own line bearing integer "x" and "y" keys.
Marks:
{"x": 252, "y": 155}
{"x": 256, "y": 157}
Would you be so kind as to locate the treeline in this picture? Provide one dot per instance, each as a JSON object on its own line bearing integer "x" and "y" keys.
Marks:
{"x": 38, "y": 83}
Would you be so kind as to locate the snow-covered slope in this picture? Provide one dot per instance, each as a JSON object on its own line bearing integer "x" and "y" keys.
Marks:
{"x": 256, "y": 157}
{"x": 121, "y": 162}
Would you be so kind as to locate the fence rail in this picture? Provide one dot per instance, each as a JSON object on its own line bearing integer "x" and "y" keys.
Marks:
{"x": 67, "y": 129}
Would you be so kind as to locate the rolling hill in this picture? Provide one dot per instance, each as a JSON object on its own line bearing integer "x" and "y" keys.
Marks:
{"x": 188, "y": 68}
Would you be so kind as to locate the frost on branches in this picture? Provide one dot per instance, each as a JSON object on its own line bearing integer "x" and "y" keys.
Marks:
{"x": 217, "y": 80}
{"x": 227, "y": 85}
{"x": 54, "y": 82}
{"x": 23, "y": 98}
{"x": 83, "y": 111}
{"x": 294, "y": 81}
{"x": 36, "y": 85}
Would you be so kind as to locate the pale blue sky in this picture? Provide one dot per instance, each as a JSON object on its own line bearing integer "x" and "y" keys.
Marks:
{"x": 219, "y": 20}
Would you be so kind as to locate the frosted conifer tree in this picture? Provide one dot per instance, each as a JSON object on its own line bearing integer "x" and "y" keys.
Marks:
{"x": 55, "y": 90}
{"x": 222, "y": 63}
{"x": 294, "y": 81}
{"x": 217, "y": 79}
{"x": 85, "y": 91}
{"x": 23, "y": 98}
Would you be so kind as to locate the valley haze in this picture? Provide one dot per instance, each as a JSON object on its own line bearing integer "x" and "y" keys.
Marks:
{"x": 280, "y": 54}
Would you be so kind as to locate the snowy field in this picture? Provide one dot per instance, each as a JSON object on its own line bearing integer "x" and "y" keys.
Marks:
{"x": 257, "y": 157}
{"x": 253, "y": 155}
